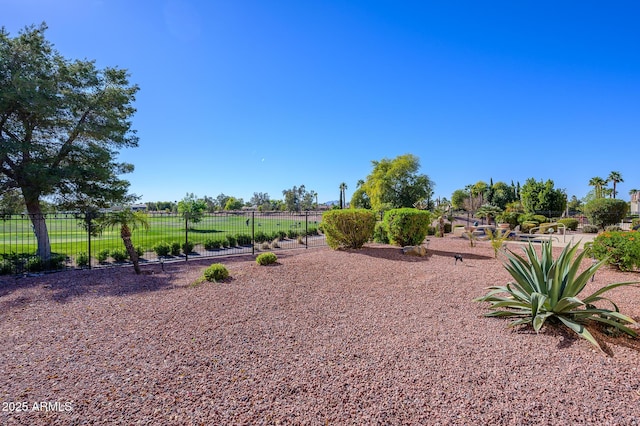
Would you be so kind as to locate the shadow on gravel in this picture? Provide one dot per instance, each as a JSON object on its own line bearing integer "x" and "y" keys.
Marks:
{"x": 395, "y": 253}
{"x": 64, "y": 286}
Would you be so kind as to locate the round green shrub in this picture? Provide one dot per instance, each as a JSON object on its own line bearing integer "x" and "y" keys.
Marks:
{"x": 606, "y": 211}
{"x": 261, "y": 237}
{"x": 231, "y": 240}
{"x": 243, "y": 239}
{"x": 570, "y": 223}
{"x": 620, "y": 249}
{"x": 82, "y": 260}
{"x": 187, "y": 247}
{"x": 407, "y": 226}
{"x": 119, "y": 255}
{"x": 212, "y": 244}
{"x": 613, "y": 228}
{"x": 216, "y": 272}
{"x": 380, "y": 234}
{"x": 175, "y": 248}
{"x": 540, "y": 218}
{"x": 292, "y": 233}
{"x": 590, "y": 229}
{"x": 102, "y": 255}
{"x": 348, "y": 228}
{"x": 267, "y": 258}
{"x": 281, "y": 235}
{"x": 161, "y": 249}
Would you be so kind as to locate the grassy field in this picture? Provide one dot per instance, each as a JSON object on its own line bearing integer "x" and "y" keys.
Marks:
{"x": 69, "y": 238}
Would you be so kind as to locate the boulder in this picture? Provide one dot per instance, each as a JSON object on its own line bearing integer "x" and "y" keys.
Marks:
{"x": 414, "y": 250}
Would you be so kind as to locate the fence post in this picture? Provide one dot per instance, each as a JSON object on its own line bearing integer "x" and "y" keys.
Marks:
{"x": 306, "y": 229}
{"x": 89, "y": 230}
{"x": 186, "y": 238}
{"x": 253, "y": 233}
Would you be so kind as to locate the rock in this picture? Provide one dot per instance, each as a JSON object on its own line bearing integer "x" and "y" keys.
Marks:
{"x": 414, "y": 250}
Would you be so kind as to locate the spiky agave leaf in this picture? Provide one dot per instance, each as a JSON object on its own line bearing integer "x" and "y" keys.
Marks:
{"x": 545, "y": 288}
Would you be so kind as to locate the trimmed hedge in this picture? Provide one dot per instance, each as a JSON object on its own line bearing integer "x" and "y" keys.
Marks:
{"x": 348, "y": 228}
{"x": 407, "y": 226}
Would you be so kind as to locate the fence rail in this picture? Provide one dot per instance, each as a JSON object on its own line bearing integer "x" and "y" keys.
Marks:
{"x": 169, "y": 238}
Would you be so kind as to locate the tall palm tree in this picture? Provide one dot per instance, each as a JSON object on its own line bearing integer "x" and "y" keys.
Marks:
{"x": 615, "y": 177}
{"x": 343, "y": 199}
{"x": 598, "y": 183}
{"x": 634, "y": 194}
{"x": 128, "y": 221}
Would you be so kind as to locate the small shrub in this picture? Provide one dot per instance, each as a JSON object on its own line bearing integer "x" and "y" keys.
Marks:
{"x": 82, "y": 260}
{"x": 431, "y": 230}
{"x": 119, "y": 254}
{"x": 509, "y": 217}
{"x": 407, "y": 226}
{"x": 267, "y": 258}
{"x": 292, "y": 233}
{"x": 348, "y": 228}
{"x": 243, "y": 239}
{"x": 380, "y": 234}
{"x": 570, "y": 223}
{"x": 619, "y": 249}
{"x": 216, "y": 272}
{"x": 261, "y": 237}
{"x": 140, "y": 251}
{"x": 540, "y": 218}
{"x": 231, "y": 240}
{"x": 162, "y": 249}
{"x": 590, "y": 229}
{"x": 281, "y": 235}
{"x": 175, "y": 248}
{"x": 102, "y": 255}
{"x": 544, "y": 229}
{"x": 7, "y": 267}
{"x": 187, "y": 247}
{"x": 312, "y": 231}
{"x": 613, "y": 228}
{"x": 212, "y": 244}
{"x": 525, "y": 227}
{"x": 635, "y": 224}
{"x": 265, "y": 246}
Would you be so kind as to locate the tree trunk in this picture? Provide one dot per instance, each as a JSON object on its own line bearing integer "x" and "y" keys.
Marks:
{"x": 125, "y": 233}
{"x": 39, "y": 227}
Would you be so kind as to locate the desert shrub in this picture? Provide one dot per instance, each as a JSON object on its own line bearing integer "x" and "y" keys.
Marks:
{"x": 613, "y": 228}
{"x": 231, "y": 240}
{"x": 605, "y": 211}
{"x": 119, "y": 254}
{"x": 509, "y": 217}
{"x": 216, "y": 272}
{"x": 348, "y": 228}
{"x": 140, "y": 251}
{"x": 431, "y": 230}
{"x": 102, "y": 255}
{"x": 267, "y": 258}
{"x": 590, "y": 229}
{"x": 261, "y": 237}
{"x": 540, "y": 218}
{"x": 162, "y": 249}
{"x": 175, "y": 248}
{"x": 527, "y": 226}
{"x": 527, "y": 217}
{"x": 312, "y": 230}
{"x": 281, "y": 235}
{"x": 36, "y": 264}
{"x": 212, "y": 244}
{"x": 380, "y": 233}
{"x": 547, "y": 288}
{"x": 292, "y": 233}
{"x": 243, "y": 239}
{"x": 7, "y": 267}
{"x": 620, "y": 249}
{"x": 407, "y": 226}
{"x": 187, "y": 247}
{"x": 570, "y": 223}
{"x": 544, "y": 228}
{"x": 82, "y": 260}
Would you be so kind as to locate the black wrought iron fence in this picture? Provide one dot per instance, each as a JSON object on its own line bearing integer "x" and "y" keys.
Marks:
{"x": 77, "y": 242}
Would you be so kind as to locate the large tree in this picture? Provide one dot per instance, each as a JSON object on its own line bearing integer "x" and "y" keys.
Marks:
{"x": 542, "y": 198}
{"x": 615, "y": 178}
{"x": 598, "y": 184}
{"x": 62, "y": 123}
{"x": 396, "y": 183}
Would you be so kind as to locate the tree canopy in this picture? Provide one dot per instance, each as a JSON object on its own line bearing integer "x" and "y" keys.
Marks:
{"x": 62, "y": 123}
{"x": 396, "y": 183}
{"x": 542, "y": 197}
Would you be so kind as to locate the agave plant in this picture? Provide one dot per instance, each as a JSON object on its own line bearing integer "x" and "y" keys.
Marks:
{"x": 546, "y": 288}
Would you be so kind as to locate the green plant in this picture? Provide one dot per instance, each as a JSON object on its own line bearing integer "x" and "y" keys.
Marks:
{"x": 231, "y": 240}
{"x": 544, "y": 229}
{"x": 527, "y": 226}
{"x": 380, "y": 233}
{"x": 216, "y": 272}
{"x": 431, "y": 230}
{"x": 102, "y": 255}
{"x": 590, "y": 229}
{"x": 540, "y": 218}
{"x": 613, "y": 228}
{"x": 175, "y": 248}
{"x": 82, "y": 260}
{"x": 162, "y": 249}
{"x": 497, "y": 239}
{"x": 407, "y": 226}
{"x": 292, "y": 233}
{"x": 509, "y": 217}
{"x": 7, "y": 267}
{"x": 545, "y": 288}
{"x": 261, "y": 237}
{"x": 348, "y": 228}
{"x": 570, "y": 223}
{"x": 119, "y": 255}
{"x": 139, "y": 251}
{"x": 212, "y": 244}
{"x": 620, "y": 249}
{"x": 605, "y": 211}
{"x": 267, "y": 258}
{"x": 243, "y": 239}
{"x": 187, "y": 247}
{"x": 281, "y": 235}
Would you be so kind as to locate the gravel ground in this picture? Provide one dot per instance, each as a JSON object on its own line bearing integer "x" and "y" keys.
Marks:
{"x": 323, "y": 337}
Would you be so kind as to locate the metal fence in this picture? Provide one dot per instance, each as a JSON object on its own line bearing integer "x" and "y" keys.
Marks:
{"x": 168, "y": 238}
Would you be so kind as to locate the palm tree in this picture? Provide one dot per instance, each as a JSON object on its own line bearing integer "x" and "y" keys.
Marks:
{"x": 615, "y": 177}
{"x": 598, "y": 183}
{"x": 634, "y": 194}
{"x": 128, "y": 221}
{"x": 343, "y": 199}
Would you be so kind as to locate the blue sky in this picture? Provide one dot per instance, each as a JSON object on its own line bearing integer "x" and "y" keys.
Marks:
{"x": 244, "y": 96}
